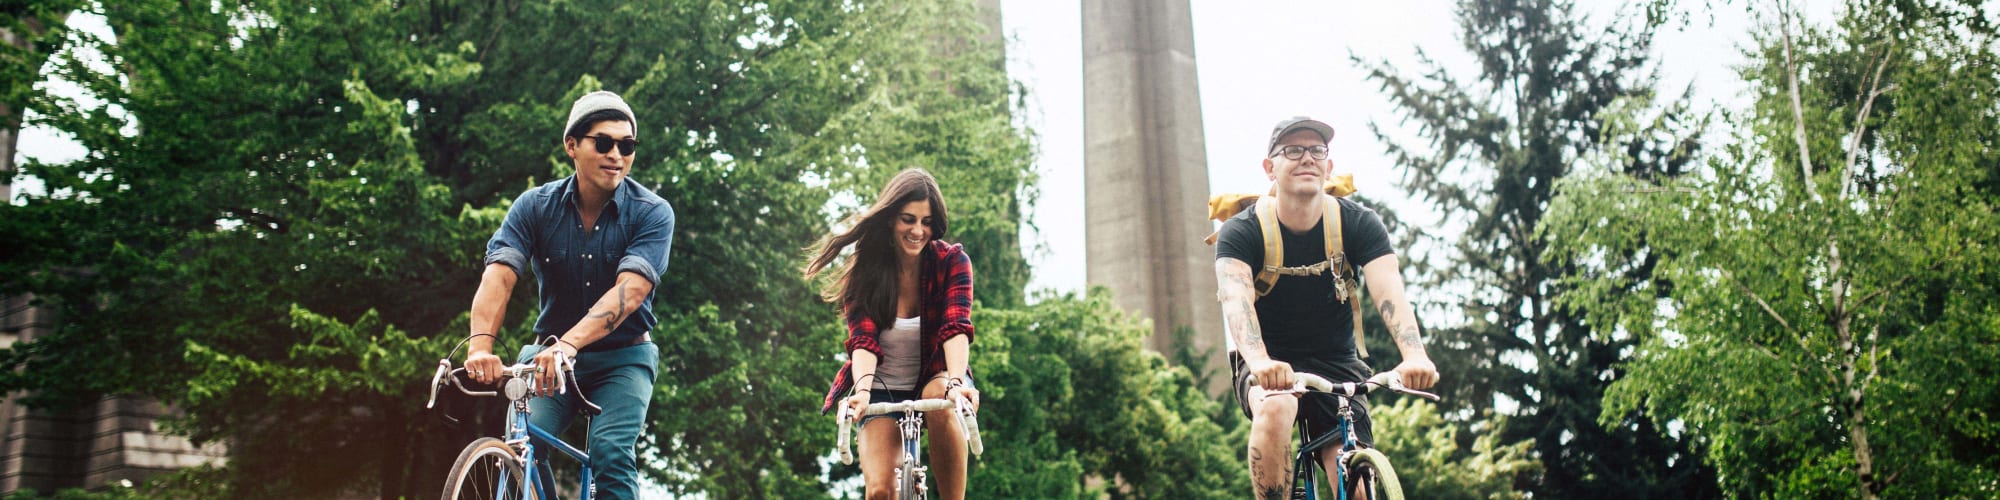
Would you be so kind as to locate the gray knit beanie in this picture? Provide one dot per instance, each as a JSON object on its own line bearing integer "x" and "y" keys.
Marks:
{"x": 599, "y": 100}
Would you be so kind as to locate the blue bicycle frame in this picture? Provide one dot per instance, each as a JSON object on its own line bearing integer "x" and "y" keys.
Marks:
{"x": 1310, "y": 444}
{"x": 539, "y": 478}
{"x": 521, "y": 435}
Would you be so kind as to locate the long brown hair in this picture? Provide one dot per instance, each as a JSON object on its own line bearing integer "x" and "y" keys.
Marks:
{"x": 867, "y": 284}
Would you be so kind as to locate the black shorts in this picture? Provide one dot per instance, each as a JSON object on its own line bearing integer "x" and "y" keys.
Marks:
{"x": 1321, "y": 412}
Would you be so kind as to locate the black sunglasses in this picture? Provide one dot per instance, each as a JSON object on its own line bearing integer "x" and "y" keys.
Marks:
{"x": 604, "y": 143}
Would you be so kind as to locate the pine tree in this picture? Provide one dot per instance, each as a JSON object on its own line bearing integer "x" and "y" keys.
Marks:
{"x": 1496, "y": 144}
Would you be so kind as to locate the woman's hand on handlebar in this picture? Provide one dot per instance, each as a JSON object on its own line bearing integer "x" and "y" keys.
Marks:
{"x": 856, "y": 404}
{"x": 969, "y": 395}
{"x": 484, "y": 367}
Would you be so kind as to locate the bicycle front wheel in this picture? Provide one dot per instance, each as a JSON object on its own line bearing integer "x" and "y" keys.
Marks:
{"x": 487, "y": 469}
{"x": 1369, "y": 467}
{"x": 910, "y": 484}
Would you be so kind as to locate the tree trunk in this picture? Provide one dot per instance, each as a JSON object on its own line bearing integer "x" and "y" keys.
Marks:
{"x": 1864, "y": 463}
{"x": 1857, "y": 414}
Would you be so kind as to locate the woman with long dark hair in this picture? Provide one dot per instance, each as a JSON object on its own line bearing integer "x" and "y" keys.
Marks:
{"x": 907, "y": 298}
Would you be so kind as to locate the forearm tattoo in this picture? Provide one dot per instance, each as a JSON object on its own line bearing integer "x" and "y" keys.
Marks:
{"x": 1407, "y": 336}
{"x": 1237, "y": 309}
{"x": 610, "y": 313}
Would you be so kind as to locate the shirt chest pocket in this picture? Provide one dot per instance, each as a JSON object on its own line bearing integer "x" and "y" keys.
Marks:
{"x": 580, "y": 270}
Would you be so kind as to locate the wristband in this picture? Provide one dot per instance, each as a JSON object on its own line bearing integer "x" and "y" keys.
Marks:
{"x": 573, "y": 349}
{"x": 478, "y": 335}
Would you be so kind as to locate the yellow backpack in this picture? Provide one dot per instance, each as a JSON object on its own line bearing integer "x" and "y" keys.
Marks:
{"x": 1346, "y": 287}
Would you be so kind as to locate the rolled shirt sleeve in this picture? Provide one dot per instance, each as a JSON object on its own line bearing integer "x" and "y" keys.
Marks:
{"x": 861, "y": 333}
{"x": 958, "y": 297}
{"x": 511, "y": 244}
{"x": 648, "y": 254}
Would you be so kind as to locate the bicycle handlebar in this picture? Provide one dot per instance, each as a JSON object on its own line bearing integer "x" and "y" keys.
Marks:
{"x": 899, "y": 407}
{"x": 1391, "y": 380}
{"x": 448, "y": 376}
{"x": 967, "y": 418}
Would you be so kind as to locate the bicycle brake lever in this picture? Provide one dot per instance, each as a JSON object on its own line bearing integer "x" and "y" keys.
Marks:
{"x": 444, "y": 370}
{"x": 1395, "y": 383}
{"x": 1294, "y": 392}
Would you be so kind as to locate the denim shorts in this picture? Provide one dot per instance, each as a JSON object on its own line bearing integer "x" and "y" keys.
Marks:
{"x": 889, "y": 396}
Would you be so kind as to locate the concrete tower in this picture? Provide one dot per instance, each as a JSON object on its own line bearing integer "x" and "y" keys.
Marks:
{"x": 1146, "y": 170}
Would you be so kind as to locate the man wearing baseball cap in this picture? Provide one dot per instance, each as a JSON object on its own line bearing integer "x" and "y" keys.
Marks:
{"x": 597, "y": 242}
{"x": 1299, "y": 318}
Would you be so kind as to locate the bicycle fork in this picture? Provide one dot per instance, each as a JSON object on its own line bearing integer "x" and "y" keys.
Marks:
{"x": 1337, "y": 477}
{"x": 912, "y": 424}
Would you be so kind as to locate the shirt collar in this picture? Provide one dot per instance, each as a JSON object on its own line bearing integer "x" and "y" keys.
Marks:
{"x": 619, "y": 195}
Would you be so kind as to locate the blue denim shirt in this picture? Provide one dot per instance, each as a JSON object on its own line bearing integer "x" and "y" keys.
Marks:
{"x": 575, "y": 266}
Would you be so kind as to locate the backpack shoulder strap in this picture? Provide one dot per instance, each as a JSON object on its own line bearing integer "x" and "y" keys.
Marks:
{"x": 1344, "y": 275}
{"x": 1274, "y": 244}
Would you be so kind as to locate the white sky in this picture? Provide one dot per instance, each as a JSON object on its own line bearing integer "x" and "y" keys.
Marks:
{"x": 1260, "y": 61}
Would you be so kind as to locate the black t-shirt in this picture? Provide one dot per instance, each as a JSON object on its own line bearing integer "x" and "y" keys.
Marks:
{"x": 1300, "y": 319}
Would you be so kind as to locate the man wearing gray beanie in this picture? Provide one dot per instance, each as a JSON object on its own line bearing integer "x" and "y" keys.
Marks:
{"x": 598, "y": 243}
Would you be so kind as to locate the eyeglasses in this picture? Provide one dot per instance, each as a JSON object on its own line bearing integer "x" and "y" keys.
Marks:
{"x": 604, "y": 143}
{"x": 1296, "y": 152}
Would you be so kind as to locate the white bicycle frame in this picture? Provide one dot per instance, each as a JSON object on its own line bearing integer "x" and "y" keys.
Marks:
{"x": 911, "y": 425}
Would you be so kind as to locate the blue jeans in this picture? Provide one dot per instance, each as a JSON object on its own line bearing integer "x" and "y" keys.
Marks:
{"x": 621, "y": 382}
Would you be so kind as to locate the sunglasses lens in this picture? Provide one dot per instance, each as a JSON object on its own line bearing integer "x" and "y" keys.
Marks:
{"x": 604, "y": 145}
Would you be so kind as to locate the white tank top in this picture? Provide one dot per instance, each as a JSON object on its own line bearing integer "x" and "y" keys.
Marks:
{"x": 901, "y": 357}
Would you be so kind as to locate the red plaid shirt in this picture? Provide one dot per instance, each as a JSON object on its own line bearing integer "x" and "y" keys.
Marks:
{"x": 946, "y": 291}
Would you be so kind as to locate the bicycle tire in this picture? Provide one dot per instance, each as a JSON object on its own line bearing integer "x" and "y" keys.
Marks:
{"x": 908, "y": 484}
{"x": 479, "y": 471}
{"x": 1385, "y": 476}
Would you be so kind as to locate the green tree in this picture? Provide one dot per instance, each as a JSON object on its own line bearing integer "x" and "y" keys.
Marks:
{"x": 280, "y": 221}
{"x": 1075, "y": 394}
{"x": 1496, "y": 147}
{"x": 1423, "y": 448}
{"x": 1828, "y": 322}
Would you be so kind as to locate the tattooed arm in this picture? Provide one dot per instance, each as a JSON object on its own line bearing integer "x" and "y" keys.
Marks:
{"x": 617, "y": 303}
{"x": 1237, "y": 291}
{"x": 1385, "y": 285}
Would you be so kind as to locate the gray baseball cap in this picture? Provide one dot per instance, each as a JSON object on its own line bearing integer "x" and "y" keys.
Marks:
{"x": 599, "y": 100}
{"x": 1295, "y": 123}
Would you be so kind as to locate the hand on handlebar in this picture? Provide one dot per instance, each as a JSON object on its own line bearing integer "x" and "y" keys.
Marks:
{"x": 1418, "y": 373}
{"x": 1271, "y": 374}
{"x": 856, "y": 404}
{"x": 484, "y": 367}
{"x": 967, "y": 394}
{"x": 554, "y": 362}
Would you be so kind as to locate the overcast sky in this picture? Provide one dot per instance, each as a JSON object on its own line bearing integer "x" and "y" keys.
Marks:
{"x": 1259, "y": 61}
{"x": 1263, "y": 60}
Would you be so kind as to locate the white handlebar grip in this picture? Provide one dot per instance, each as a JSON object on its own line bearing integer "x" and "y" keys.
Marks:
{"x": 1391, "y": 379}
{"x": 971, "y": 420}
{"x": 840, "y": 447}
